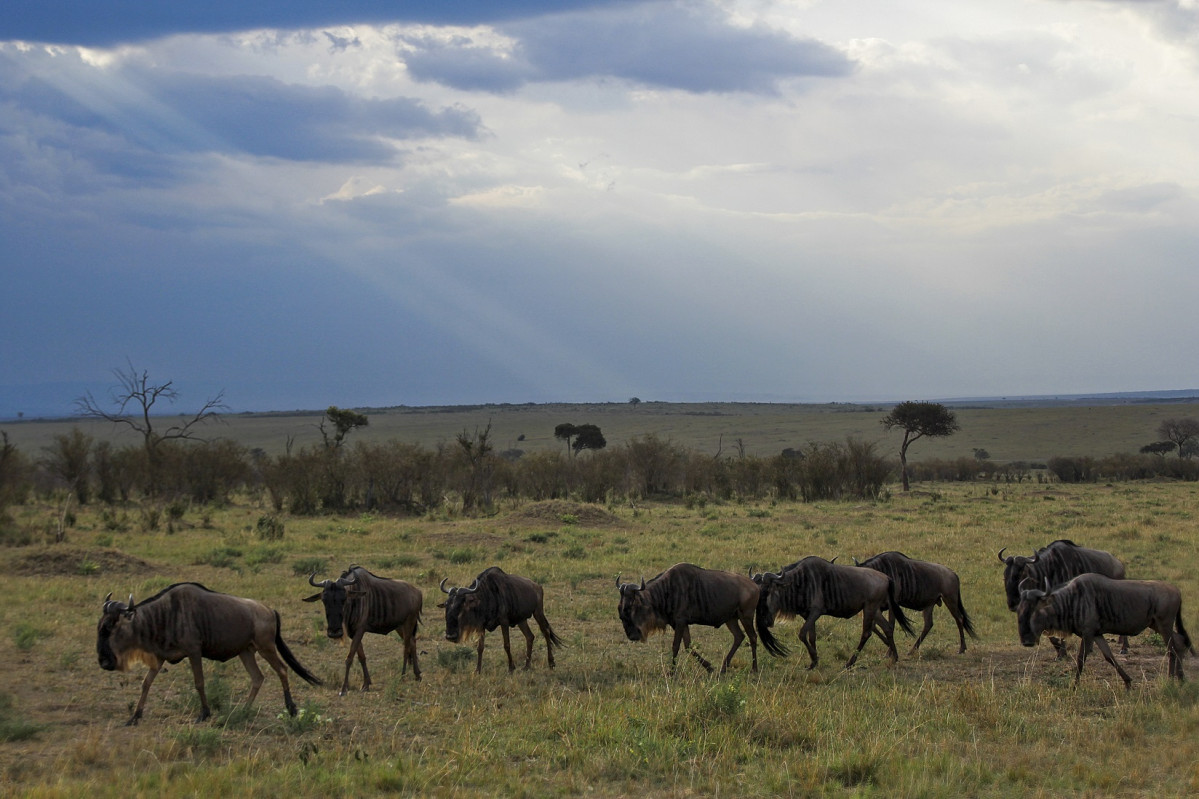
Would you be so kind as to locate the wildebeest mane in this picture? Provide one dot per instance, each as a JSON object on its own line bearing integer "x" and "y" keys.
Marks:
{"x": 170, "y": 588}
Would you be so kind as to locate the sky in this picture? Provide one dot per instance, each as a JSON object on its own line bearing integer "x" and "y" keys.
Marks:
{"x": 370, "y": 204}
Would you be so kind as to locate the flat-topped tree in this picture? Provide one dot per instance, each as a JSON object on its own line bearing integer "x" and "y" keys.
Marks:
{"x": 919, "y": 420}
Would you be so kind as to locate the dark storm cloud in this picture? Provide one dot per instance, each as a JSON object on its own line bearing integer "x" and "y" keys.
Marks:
{"x": 662, "y": 45}
{"x": 104, "y": 23}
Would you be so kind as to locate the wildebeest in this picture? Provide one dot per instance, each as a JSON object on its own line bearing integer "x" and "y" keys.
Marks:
{"x": 921, "y": 585}
{"x": 1090, "y": 605}
{"x": 359, "y": 602}
{"x": 1059, "y": 563}
{"x": 814, "y": 587}
{"x": 497, "y": 599}
{"x": 187, "y": 620}
{"x": 686, "y": 594}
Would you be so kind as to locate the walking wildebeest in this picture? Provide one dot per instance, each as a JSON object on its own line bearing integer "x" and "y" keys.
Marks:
{"x": 814, "y": 587}
{"x": 921, "y": 585}
{"x": 1059, "y": 562}
{"x": 1090, "y": 605}
{"x": 359, "y": 602}
{"x": 187, "y": 620}
{"x": 686, "y": 594}
{"x": 497, "y": 599}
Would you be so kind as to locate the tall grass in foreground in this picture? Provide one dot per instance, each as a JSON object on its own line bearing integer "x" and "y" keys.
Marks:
{"x": 612, "y": 719}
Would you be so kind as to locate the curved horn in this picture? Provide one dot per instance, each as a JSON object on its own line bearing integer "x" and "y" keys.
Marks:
{"x": 473, "y": 587}
{"x": 350, "y": 578}
{"x": 108, "y": 597}
{"x": 642, "y": 588}
{"x": 442, "y": 585}
{"x": 1001, "y": 560}
{"x": 834, "y": 560}
{"x": 130, "y": 605}
{"x": 856, "y": 562}
{"x": 618, "y": 580}
{"x": 315, "y": 584}
{"x": 1033, "y": 559}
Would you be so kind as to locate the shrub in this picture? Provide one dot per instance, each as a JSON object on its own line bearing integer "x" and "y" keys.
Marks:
{"x": 306, "y": 566}
{"x": 270, "y": 527}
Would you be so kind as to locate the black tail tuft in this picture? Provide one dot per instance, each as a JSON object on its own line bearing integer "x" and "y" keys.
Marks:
{"x": 290, "y": 659}
{"x": 897, "y": 611}
{"x": 772, "y": 644}
{"x": 966, "y": 623}
{"x": 1186, "y": 639}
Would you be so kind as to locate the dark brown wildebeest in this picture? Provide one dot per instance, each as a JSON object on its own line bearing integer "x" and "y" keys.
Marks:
{"x": 497, "y": 599}
{"x": 686, "y": 594}
{"x": 1090, "y": 605}
{"x": 1059, "y": 563}
{"x": 921, "y": 585}
{"x": 359, "y": 602}
{"x": 814, "y": 587}
{"x": 187, "y": 620}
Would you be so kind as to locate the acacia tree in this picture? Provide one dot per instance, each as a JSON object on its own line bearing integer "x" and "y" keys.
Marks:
{"x": 133, "y": 399}
{"x": 1183, "y": 432}
{"x": 344, "y": 421}
{"x": 919, "y": 420}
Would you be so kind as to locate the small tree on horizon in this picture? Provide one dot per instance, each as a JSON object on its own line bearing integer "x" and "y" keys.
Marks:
{"x": 1183, "y": 432}
{"x": 919, "y": 420}
{"x": 134, "y": 398}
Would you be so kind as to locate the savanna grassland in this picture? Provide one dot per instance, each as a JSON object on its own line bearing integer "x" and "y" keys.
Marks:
{"x": 611, "y": 719}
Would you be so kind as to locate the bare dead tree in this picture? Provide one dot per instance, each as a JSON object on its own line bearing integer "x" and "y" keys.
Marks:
{"x": 134, "y": 398}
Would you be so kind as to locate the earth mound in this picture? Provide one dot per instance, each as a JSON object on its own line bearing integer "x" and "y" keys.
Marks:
{"x": 557, "y": 510}
{"x": 56, "y": 561}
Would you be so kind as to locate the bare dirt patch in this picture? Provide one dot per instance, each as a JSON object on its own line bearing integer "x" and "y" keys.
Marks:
{"x": 59, "y": 561}
{"x": 557, "y": 510}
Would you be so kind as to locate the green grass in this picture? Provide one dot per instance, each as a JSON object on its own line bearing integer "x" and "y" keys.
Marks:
{"x": 611, "y": 719}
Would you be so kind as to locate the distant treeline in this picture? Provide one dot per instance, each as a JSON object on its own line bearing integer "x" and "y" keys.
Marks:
{"x": 469, "y": 475}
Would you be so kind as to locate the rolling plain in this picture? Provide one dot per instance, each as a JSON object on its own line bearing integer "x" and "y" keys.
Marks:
{"x": 612, "y": 719}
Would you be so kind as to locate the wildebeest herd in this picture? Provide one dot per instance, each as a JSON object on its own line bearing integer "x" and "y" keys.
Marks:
{"x": 1061, "y": 589}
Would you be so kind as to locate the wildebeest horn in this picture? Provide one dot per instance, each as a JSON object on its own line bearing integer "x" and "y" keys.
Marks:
{"x": 618, "y": 580}
{"x": 108, "y": 597}
{"x": 642, "y": 588}
{"x": 350, "y": 578}
{"x": 834, "y": 560}
{"x": 442, "y": 585}
{"x": 855, "y": 560}
{"x": 1033, "y": 559}
{"x": 1001, "y": 560}
{"x": 129, "y": 607}
{"x": 315, "y": 584}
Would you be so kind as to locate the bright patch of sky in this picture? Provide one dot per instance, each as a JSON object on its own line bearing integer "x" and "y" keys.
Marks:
{"x": 589, "y": 201}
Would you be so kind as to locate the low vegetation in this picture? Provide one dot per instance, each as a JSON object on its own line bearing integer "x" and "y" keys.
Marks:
{"x": 610, "y": 719}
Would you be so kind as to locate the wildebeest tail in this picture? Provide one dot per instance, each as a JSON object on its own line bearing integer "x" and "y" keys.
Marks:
{"x": 967, "y": 624}
{"x": 897, "y": 611}
{"x": 289, "y": 658}
{"x": 1186, "y": 639}
{"x": 552, "y": 639}
{"x": 772, "y": 644}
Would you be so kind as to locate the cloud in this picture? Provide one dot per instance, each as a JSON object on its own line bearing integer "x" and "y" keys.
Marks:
{"x": 694, "y": 48}
{"x": 104, "y": 24}
{"x": 130, "y": 119}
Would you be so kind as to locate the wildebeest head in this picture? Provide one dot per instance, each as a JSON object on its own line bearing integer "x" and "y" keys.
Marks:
{"x": 636, "y": 613}
{"x": 1014, "y": 570}
{"x": 462, "y": 609}
{"x": 1034, "y": 611}
{"x": 113, "y": 625}
{"x": 768, "y": 601}
{"x": 333, "y": 595}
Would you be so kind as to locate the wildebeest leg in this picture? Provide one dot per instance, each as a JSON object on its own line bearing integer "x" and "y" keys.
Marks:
{"x": 356, "y": 648}
{"x": 955, "y": 610}
{"x": 1059, "y": 646}
{"x": 928, "y": 625}
{"x": 408, "y": 635}
{"x": 197, "y": 664}
{"x": 524, "y": 628}
{"x": 141, "y": 702}
{"x": 508, "y": 648}
{"x": 251, "y": 663}
{"x": 884, "y": 628}
{"x": 1123, "y": 644}
{"x": 479, "y": 664}
{"x": 1107, "y": 654}
{"x": 547, "y": 633}
{"x": 738, "y": 637}
{"x": 807, "y": 636}
{"x": 747, "y": 621}
{"x": 272, "y": 657}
